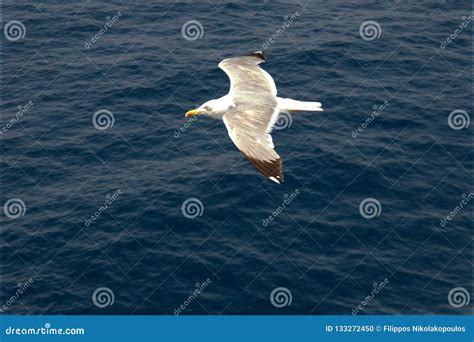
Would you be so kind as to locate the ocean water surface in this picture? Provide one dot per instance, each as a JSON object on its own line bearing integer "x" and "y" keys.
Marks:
{"x": 120, "y": 205}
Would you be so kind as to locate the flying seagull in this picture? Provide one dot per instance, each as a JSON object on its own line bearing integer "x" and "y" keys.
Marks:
{"x": 250, "y": 110}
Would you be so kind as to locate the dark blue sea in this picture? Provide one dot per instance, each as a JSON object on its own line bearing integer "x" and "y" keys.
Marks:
{"x": 114, "y": 203}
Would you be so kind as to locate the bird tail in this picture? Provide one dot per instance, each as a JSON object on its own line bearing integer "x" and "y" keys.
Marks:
{"x": 298, "y": 106}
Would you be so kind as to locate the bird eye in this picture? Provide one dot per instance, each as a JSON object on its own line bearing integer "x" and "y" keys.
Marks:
{"x": 206, "y": 107}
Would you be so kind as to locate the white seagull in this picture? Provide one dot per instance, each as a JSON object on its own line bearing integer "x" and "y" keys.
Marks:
{"x": 250, "y": 110}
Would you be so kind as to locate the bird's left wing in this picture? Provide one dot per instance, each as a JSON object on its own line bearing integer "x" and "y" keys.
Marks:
{"x": 247, "y": 129}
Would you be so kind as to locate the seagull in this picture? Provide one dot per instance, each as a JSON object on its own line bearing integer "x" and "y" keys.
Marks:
{"x": 250, "y": 110}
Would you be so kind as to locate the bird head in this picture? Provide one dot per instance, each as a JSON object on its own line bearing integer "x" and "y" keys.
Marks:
{"x": 216, "y": 108}
{"x": 205, "y": 108}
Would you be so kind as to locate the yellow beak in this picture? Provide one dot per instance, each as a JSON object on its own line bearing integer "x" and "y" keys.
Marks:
{"x": 193, "y": 112}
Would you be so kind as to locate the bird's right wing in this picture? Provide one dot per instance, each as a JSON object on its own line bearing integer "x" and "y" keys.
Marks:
{"x": 246, "y": 77}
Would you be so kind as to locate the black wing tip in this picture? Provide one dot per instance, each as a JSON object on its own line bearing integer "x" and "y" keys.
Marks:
{"x": 272, "y": 169}
{"x": 259, "y": 54}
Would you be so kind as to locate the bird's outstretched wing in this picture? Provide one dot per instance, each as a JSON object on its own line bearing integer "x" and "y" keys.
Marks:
{"x": 250, "y": 122}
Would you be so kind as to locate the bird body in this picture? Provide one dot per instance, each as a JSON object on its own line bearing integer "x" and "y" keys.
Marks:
{"x": 250, "y": 110}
